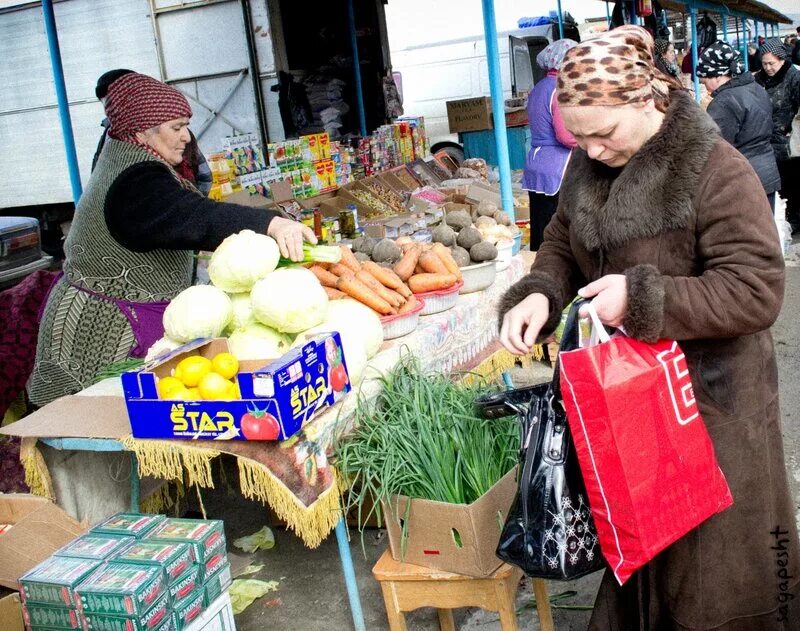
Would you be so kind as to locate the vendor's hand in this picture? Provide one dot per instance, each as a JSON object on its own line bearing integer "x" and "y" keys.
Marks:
{"x": 290, "y": 236}
{"x": 521, "y": 325}
{"x": 610, "y": 299}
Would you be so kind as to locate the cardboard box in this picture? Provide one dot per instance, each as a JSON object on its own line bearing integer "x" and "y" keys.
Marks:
{"x": 282, "y": 394}
{"x": 188, "y": 609}
{"x": 119, "y": 589}
{"x": 217, "y": 584}
{"x": 39, "y": 528}
{"x": 459, "y": 538}
{"x": 186, "y": 584}
{"x": 470, "y": 114}
{"x": 152, "y": 620}
{"x": 206, "y": 537}
{"x": 11, "y": 613}
{"x": 53, "y": 581}
{"x": 36, "y": 615}
{"x": 175, "y": 558}
{"x": 478, "y": 192}
{"x": 517, "y": 117}
{"x": 218, "y": 616}
{"x": 392, "y": 228}
{"x": 128, "y": 525}
{"x": 94, "y": 546}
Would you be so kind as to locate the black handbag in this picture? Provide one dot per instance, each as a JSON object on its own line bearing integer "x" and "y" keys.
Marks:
{"x": 549, "y": 532}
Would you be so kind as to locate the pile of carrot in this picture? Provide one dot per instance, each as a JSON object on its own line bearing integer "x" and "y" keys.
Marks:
{"x": 377, "y": 287}
{"x": 427, "y": 267}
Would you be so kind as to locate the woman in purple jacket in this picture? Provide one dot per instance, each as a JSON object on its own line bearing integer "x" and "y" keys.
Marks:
{"x": 551, "y": 143}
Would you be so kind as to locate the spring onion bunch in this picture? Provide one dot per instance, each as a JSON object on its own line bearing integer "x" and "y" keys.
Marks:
{"x": 423, "y": 439}
{"x": 315, "y": 254}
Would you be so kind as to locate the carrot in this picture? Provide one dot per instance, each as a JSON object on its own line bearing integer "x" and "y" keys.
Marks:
{"x": 404, "y": 291}
{"x": 420, "y": 283}
{"x": 334, "y": 294}
{"x": 342, "y": 271}
{"x": 404, "y": 268}
{"x": 447, "y": 258}
{"x": 358, "y": 290}
{"x": 324, "y": 276}
{"x": 430, "y": 262}
{"x": 349, "y": 259}
{"x": 409, "y": 306}
{"x": 418, "y": 270}
{"x": 370, "y": 281}
{"x": 386, "y": 277}
{"x": 399, "y": 296}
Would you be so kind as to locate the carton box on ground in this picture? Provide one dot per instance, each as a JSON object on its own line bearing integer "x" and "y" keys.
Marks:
{"x": 477, "y": 193}
{"x": 121, "y": 589}
{"x": 204, "y": 536}
{"x": 53, "y": 581}
{"x": 11, "y": 613}
{"x": 128, "y": 525}
{"x": 218, "y": 616}
{"x": 188, "y": 582}
{"x": 470, "y": 114}
{"x": 188, "y": 609}
{"x": 277, "y": 396}
{"x": 94, "y": 546}
{"x": 217, "y": 584}
{"x": 458, "y": 538}
{"x": 213, "y": 564}
{"x": 174, "y": 558}
{"x": 45, "y": 616}
{"x": 149, "y": 621}
{"x": 38, "y": 529}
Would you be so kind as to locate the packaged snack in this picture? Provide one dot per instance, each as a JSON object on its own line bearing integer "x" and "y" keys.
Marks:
{"x": 205, "y": 536}
{"x": 92, "y": 546}
{"x": 188, "y": 609}
{"x": 128, "y": 524}
{"x": 217, "y": 584}
{"x": 152, "y": 620}
{"x": 175, "y": 558}
{"x": 122, "y": 589}
{"x": 213, "y": 564}
{"x": 36, "y": 615}
{"x": 53, "y": 580}
{"x": 187, "y": 582}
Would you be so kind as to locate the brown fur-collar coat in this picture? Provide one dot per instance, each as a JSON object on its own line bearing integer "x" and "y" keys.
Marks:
{"x": 687, "y": 222}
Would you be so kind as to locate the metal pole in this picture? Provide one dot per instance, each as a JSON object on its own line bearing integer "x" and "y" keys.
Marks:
{"x": 349, "y": 575}
{"x": 255, "y": 75}
{"x": 608, "y": 16}
{"x": 725, "y": 27}
{"x": 351, "y": 23}
{"x": 755, "y": 32}
{"x": 695, "y": 78}
{"x": 61, "y": 97}
{"x": 560, "y": 22}
{"x": 634, "y": 17}
{"x": 743, "y": 42}
{"x": 498, "y": 109}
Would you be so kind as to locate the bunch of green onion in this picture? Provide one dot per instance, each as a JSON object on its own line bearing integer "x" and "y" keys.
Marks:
{"x": 423, "y": 439}
{"x": 315, "y": 254}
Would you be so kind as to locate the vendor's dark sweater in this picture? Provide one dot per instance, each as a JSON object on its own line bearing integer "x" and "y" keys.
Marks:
{"x": 146, "y": 208}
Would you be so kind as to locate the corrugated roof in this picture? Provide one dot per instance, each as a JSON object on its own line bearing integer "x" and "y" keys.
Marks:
{"x": 750, "y": 8}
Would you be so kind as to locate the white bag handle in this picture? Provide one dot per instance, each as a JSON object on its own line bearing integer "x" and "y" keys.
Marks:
{"x": 597, "y": 327}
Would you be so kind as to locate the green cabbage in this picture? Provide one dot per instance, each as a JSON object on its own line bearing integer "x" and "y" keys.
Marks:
{"x": 199, "y": 311}
{"x": 256, "y": 341}
{"x": 243, "y": 259}
{"x": 289, "y": 300}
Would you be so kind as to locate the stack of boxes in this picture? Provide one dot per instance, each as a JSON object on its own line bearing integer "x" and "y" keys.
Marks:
{"x": 393, "y": 145}
{"x": 130, "y": 573}
{"x": 306, "y": 163}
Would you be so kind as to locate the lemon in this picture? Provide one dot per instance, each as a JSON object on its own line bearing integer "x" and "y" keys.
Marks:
{"x": 225, "y": 364}
{"x": 194, "y": 394}
{"x": 233, "y": 393}
{"x": 214, "y": 387}
{"x": 192, "y": 369}
{"x": 167, "y": 385}
{"x": 180, "y": 394}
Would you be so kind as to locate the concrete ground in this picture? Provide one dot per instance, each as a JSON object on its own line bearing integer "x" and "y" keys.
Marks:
{"x": 311, "y": 594}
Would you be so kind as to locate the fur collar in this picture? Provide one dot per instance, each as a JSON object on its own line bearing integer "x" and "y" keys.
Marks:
{"x": 609, "y": 207}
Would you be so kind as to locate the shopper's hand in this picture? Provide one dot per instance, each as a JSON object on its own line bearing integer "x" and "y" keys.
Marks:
{"x": 290, "y": 236}
{"x": 521, "y": 325}
{"x": 610, "y": 299}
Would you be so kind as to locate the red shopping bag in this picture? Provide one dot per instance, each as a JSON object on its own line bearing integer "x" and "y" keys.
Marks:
{"x": 646, "y": 457}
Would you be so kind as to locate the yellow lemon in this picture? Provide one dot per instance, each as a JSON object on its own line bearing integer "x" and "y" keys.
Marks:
{"x": 181, "y": 394}
{"x": 214, "y": 387}
{"x": 194, "y": 394}
{"x": 225, "y": 364}
{"x": 192, "y": 369}
{"x": 167, "y": 385}
{"x": 233, "y": 393}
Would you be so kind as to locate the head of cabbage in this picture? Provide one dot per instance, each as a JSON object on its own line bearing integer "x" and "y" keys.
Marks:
{"x": 289, "y": 300}
{"x": 256, "y": 341}
{"x": 199, "y": 311}
{"x": 242, "y": 312}
{"x": 241, "y": 260}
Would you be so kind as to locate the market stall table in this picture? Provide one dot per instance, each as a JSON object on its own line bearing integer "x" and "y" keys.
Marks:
{"x": 293, "y": 477}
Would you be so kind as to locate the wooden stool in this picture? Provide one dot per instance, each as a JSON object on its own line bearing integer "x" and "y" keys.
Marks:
{"x": 407, "y": 587}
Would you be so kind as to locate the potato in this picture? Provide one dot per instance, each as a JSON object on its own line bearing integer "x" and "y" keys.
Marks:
{"x": 468, "y": 237}
{"x": 458, "y": 219}
{"x": 485, "y": 221}
{"x": 461, "y": 256}
{"x": 483, "y": 251}
{"x": 502, "y": 218}
{"x": 444, "y": 235}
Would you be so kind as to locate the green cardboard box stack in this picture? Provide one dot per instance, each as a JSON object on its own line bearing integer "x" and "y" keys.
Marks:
{"x": 130, "y": 573}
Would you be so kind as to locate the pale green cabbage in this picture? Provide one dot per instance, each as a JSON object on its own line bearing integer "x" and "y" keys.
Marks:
{"x": 199, "y": 311}
{"x": 289, "y": 300}
{"x": 243, "y": 259}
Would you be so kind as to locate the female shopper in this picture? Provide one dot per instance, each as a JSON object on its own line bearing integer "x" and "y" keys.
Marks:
{"x": 782, "y": 82}
{"x": 665, "y": 57}
{"x": 741, "y": 109}
{"x": 130, "y": 247}
{"x": 666, "y": 228}
{"x": 550, "y": 143}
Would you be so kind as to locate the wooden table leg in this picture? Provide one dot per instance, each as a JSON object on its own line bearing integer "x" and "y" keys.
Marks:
{"x": 446, "y": 622}
{"x": 543, "y": 604}
{"x": 506, "y": 595}
{"x": 397, "y": 621}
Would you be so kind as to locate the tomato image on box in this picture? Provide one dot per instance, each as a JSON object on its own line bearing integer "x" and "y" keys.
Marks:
{"x": 276, "y": 399}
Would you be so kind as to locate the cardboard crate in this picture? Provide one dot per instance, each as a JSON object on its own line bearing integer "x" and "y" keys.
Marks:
{"x": 175, "y": 558}
{"x": 218, "y": 616}
{"x": 94, "y": 546}
{"x": 128, "y": 525}
{"x": 152, "y": 620}
{"x": 119, "y": 589}
{"x": 38, "y": 529}
{"x": 206, "y": 537}
{"x": 458, "y": 538}
{"x": 284, "y": 392}
{"x": 473, "y": 114}
{"x": 53, "y": 581}
{"x": 11, "y": 613}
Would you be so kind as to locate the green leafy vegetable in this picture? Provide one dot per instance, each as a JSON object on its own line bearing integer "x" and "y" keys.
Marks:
{"x": 244, "y": 592}
{"x": 264, "y": 539}
{"x": 315, "y": 254}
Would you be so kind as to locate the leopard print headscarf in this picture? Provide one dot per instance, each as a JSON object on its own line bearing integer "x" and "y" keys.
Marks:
{"x": 615, "y": 68}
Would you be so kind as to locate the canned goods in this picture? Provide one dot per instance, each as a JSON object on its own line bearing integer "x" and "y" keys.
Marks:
{"x": 348, "y": 221}
{"x": 330, "y": 231}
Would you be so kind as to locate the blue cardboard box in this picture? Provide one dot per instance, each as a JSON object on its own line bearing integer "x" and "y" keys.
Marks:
{"x": 276, "y": 399}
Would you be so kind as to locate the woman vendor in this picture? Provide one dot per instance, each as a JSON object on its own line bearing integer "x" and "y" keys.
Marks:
{"x": 665, "y": 226}
{"x": 130, "y": 247}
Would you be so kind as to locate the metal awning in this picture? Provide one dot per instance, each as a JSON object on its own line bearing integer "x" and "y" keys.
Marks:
{"x": 751, "y": 9}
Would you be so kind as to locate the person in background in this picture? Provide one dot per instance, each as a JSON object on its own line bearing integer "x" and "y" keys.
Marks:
{"x": 754, "y": 53}
{"x": 664, "y": 226}
{"x": 666, "y": 59}
{"x": 796, "y": 48}
{"x": 551, "y": 143}
{"x": 741, "y": 109}
{"x": 195, "y": 167}
{"x": 782, "y": 82}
